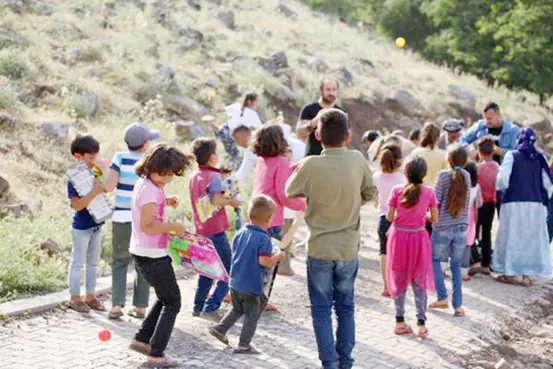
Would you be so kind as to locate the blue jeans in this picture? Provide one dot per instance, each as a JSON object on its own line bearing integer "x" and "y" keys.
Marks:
{"x": 214, "y": 302}
{"x": 332, "y": 283}
{"x": 86, "y": 248}
{"x": 451, "y": 242}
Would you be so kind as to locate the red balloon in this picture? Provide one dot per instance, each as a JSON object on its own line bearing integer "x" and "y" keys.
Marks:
{"x": 104, "y": 335}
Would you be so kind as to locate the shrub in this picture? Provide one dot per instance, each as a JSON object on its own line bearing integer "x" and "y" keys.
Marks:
{"x": 12, "y": 67}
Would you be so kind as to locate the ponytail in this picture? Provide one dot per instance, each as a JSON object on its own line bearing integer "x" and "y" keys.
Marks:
{"x": 391, "y": 158}
{"x": 415, "y": 171}
{"x": 411, "y": 194}
{"x": 457, "y": 196}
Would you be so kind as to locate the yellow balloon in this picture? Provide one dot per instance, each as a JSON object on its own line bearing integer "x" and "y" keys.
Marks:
{"x": 400, "y": 42}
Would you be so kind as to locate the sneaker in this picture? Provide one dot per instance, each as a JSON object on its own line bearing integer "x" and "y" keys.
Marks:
{"x": 214, "y": 316}
{"x": 196, "y": 314}
{"x": 220, "y": 336}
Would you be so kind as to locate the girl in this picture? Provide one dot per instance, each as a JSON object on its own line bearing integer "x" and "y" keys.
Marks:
{"x": 522, "y": 247}
{"x": 450, "y": 231}
{"x": 148, "y": 247}
{"x": 409, "y": 259}
{"x": 436, "y": 159}
{"x": 385, "y": 180}
{"x": 475, "y": 202}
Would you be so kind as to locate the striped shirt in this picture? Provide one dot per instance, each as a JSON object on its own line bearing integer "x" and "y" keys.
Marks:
{"x": 442, "y": 189}
{"x": 123, "y": 163}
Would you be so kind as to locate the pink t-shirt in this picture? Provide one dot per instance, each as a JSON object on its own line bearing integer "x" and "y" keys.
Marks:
{"x": 208, "y": 181}
{"x": 270, "y": 179}
{"x": 384, "y": 183}
{"x": 143, "y": 244}
{"x": 487, "y": 176}
{"x": 414, "y": 217}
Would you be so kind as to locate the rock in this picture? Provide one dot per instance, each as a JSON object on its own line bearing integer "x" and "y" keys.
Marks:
{"x": 160, "y": 14}
{"x": 279, "y": 58}
{"x": 192, "y": 38}
{"x": 463, "y": 95}
{"x": 50, "y": 246}
{"x": 195, "y": 4}
{"x": 541, "y": 125}
{"x": 109, "y": 9}
{"x": 286, "y": 11}
{"x": 54, "y": 129}
{"x": 280, "y": 92}
{"x": 184, "y": 107}
{"x": 41, "y": 8}
{"x": 189, "y": 130}
{"x": 4, "y": 185}
{"x": 17, "y": 210}
{"x": 344, "y": 75}
{"x": 166, "y": 71}
{"x": 90, "y": 103}
{"x": 366, "y": 62}
{"x": 409, "y": 103}
{"x": 227, "y": 18}
{"x": 315, "y": 63}
{"x": 268, "y": 64}
{"x": 9, "y": 38}
{"x": 8, "y": 122}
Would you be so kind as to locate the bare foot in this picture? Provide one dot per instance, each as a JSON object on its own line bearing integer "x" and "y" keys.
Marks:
{"x": 440, "y": 304}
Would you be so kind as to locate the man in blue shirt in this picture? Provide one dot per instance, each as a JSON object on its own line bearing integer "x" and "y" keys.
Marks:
{"x": 503, "y": 132}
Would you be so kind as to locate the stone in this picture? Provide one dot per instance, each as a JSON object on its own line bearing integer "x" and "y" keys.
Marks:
{"x": 366, "y": 62}
{"x": 286, "y": 11}
{"x": 4, "y": 185}
{"x": 317, "y": 64}
{"x": 280, "y": 91}
{"x": 227, "y": 18}
{"x": 166, "y": 71}
{"x": 344, "y": 75}
{"x": 279, "y": 58}
{"x": 109, "y": 9}
{"x": 268, "y": 64}
{"x": 189, "y": 130}
{"x": 17, "y": 210}
{"x": 184, "y": 107}
{"x": 192, "y": 38}
{"x": 195, "y": 4}
{"x": 541, "y": 125}
{"x": 54, "y": 129}
{"x": 160, "y": 14}
{"x": 50, "y": 246}
{"x": 90, "y": 103}
{"x": 8, "y": 122}
{"x": 409, "y": 103}
{"x": 463, "y": 95}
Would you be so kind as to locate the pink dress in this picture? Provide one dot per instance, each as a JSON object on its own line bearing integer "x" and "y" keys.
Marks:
{"x": 409, "y": 250}
{"x": 475, "y": 202}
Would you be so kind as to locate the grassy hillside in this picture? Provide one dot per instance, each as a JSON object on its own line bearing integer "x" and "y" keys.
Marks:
{"x": 100, "y": 65}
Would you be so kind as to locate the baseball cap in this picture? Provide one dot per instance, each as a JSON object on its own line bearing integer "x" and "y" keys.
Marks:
{"x": 452, "y": 125}
{"x": 137, "y": 134}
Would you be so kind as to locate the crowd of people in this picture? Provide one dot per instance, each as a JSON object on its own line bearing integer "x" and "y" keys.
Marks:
{"x": 436, "y": 192}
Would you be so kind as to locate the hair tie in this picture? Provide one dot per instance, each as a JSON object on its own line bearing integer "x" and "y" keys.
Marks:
{"x": 456, "y": 168}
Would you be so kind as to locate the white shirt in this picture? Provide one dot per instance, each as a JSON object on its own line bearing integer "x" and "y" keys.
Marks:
{"x": 237, "y": 117}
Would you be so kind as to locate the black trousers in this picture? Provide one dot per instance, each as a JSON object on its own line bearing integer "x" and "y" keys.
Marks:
{"x": 242, "y": 304}
{"x": 158, "y": 325}
{"x": 484, "y": 228}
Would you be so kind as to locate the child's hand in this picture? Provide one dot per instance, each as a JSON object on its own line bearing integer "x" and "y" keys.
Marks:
{"x": 280, "y": 257}
{"x": 97, "y": 189}
{"x": 102, "y": 165}
{"x": 235, "y": 203}
{"x": 178, "y": 228}
{"x": 172, "y": 201}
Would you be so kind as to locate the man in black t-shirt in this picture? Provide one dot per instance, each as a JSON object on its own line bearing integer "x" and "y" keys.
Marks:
{"x": 329, "y": 90}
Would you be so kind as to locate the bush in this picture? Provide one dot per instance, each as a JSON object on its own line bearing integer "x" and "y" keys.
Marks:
{"x": 12, "y": 67}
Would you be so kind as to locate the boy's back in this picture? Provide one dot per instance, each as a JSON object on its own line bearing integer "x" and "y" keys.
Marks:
{"x": 487, "y": 175}
{"x": 335, "y": 185}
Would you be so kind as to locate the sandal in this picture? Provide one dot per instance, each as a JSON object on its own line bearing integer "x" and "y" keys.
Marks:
{"x": 467, "y": 278}
{"x": 166, "y": 362}
{"x": 403, "y": 329}
{"x": 439, "y": 305}
{"x": 385, "y": 293}
{"x": 136, "y": 314}
{"x": 423, "y": 333}
{"x": 248, "y": 351}
{"x": 459, "y": 312}
{"x": 115, "y": 314}
{"x": 95, "y": 304}
{"x": 270, "y": 307}
{"x": 140, "y": 347}
{"x": 79, "y": 306}
{"x": 220, "y": 337}
{"x": 507, "y": 280}
{"x": 526, "y": 282}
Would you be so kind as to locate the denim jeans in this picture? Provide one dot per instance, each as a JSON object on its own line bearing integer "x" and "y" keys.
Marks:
{"x": 452, "y": 242}
{"x": 242, "y": 304}
{"x": 420, "y": 303}
{"x": 331, "y": 283}
{"x": 214, "y": 302}
{"x": 120, "y": 260}
{"x": 86, "y": 248}
{"x": 158, "y": 325}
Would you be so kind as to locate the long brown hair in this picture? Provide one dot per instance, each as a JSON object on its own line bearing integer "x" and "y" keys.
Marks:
{"x": 269, "y": 141}
{"x": 162, "y": 159}
{"x": 391, "y": 158}
{"x": 457, "y": 196}
{"x": 429, "y": 135}
{"x": 415, "y": 171}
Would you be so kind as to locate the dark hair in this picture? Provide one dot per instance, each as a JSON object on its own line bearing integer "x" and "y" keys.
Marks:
{"x": 473, "y": 171}
{"x": 269, "y": 141}
{"x": 391, "y": 158}
{"x": 85, "y": 144}
{"x": 370, "y": 135}
{"x": 457, "y": 196}
{"x": 334, "y": 127}
{"x": 491, "y": 106}
{"x": 415, "y": 134}
{"x": 326, "y": 79}
{"x": 486, "y": 145}
{"x": 203, "y": 148}
{"x": 162, "y": 158}
{"x": 248, "y": 101}
{"x": 415, "y": 170}
{"x": 241, "y": 128}
{"x": 429, "y": 135}
{"x": 261, "y": 208}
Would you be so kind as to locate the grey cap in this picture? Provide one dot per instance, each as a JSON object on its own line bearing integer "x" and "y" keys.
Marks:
{"x": 137, "y": 134}
{"x": 452, "y": 125}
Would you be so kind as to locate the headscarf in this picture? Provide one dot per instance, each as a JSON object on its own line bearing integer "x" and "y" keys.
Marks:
{"x": 526, "y": 144}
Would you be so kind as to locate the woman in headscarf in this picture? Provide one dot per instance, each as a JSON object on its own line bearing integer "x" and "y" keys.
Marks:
{"x": 522, "y": 246}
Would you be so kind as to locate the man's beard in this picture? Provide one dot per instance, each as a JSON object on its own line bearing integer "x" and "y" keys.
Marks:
{"x": 328, "y": 102}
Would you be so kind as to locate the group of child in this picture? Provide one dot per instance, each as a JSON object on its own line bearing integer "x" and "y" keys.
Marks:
{"x": 434, "y": 220}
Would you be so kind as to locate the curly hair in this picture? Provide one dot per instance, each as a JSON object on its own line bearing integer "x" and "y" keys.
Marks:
{"x": 162, "y": 159}
{"x": 415, "y": 171}
{"x": 457, "y": 196}
{"x": 269, "y": 141}
{"x": 203, "y": 148}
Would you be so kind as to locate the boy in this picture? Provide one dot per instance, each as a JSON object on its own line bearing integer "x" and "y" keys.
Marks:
{"x": 123, "y": 177}
{"x": 487, "y": 174}
{"x": 335, "y": 184}
{"x": 86, "y": 234}
{"x": 208, "y": 182}
{"x": 251, "y": 254}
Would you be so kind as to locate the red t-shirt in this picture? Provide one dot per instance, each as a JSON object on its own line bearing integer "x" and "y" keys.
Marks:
{"x": 487, "y": 176}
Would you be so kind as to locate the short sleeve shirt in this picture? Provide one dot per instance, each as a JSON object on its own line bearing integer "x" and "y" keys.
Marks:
{"x": 246, "y": 274}
{"x": 415, "y": 217}
{"x": 208, "y": 181}
{"x": 384, "y": 183}
{"x": 82, "y": 219}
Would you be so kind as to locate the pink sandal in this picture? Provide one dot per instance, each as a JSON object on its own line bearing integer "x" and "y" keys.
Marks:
{"x": 423, "y": 334}
{"x": 403, "y": 329}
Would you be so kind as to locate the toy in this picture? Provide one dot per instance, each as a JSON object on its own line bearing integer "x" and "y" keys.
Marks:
{"x": 104, "y": 335}
{"x": 198, "y": 252}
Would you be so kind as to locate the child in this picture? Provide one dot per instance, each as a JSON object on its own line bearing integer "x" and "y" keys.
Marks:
{"x": 409, "y": 250}
{"x": 415, "y": 137}
{"x": 488, "y": 169}
{"x": 207, "y": 181}
{"x": 450, "y": 231}
{"x": 148, "y": 247}
{"x": 123, "y": 177}
{"x": 429, "y": 151}
{"x": 384, "y": 180}
{"x": 86, "y": 234}
{"x": 475, "y": 202}
{"x": 251, "y": 254}
{"x": 336, "y": 184}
